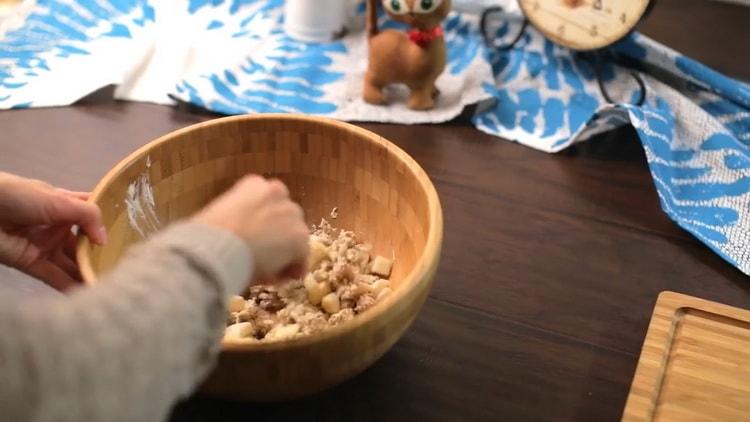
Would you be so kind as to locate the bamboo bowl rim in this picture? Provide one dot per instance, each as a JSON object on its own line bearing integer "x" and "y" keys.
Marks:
{"x": 420, "y": 273}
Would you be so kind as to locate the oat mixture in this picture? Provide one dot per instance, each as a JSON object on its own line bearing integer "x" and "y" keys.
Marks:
{"x": 343, "y": 281}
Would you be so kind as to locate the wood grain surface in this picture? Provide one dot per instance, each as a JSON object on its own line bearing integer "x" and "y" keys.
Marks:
{"x": 695, "y": 363}
{"x": 551, "y": 263}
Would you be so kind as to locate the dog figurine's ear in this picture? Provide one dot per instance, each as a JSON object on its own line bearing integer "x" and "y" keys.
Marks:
{"x": 415, "y": 58}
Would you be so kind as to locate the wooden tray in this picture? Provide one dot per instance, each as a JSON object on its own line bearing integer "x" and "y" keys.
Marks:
{"x": 694, "y": 365}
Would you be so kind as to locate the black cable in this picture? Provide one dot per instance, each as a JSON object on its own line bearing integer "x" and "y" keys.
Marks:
{"x": 599, "y": 71}
{"x": 485, "y": 32}
{"x": 597, "y": 55}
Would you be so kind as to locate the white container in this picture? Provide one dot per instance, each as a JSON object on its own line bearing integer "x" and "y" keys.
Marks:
{"x": 315, "y": 20}
{"x": 13, "y": 14}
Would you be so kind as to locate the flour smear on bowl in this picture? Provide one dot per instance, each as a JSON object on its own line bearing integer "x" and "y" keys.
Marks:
{"x": 141, "y": 206}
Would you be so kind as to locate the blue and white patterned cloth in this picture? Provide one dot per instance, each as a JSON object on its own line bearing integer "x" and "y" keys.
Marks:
{"x": 694, "y": 126}
{"x": 231, "y": 56}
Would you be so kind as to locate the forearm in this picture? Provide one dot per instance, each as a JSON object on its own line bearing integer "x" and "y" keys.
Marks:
{"x": 129, "y": 347}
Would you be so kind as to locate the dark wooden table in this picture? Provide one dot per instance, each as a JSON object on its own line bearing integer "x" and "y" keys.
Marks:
{"x": 551, "y": 265}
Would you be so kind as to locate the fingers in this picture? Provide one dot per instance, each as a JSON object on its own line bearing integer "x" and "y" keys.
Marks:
{"x": 69, "y": 246}
{"x": 275, "y": 187}
{"x": 21, "y": 249}
{"x": 66, "y": 256}
{"x": 297, "y": 241}
{"x": 299, "y": 212}
{"x": 299, "y": 247}
{"x": 46, "y": 239}
{"x": 294, "y": 271}
{"x": 84, "y": 214}
{"x": 31, "y": 203}
{"x": 250, "y": 182}
{"x": 67, "y": 264}
{"x": 91, "y": 221}
{"x": 41, "y": 253}
{"x": 51, "y": 274}
{"x": 83, "y": 196}
{"x": 33, "y": 207}
{"x": 261, "y": 213}
{"x": 278, "y": 189}
{"x": 16, "y": 251}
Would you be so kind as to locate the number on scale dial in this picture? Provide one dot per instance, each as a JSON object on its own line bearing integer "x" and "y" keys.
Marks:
{"x": 585, "y": 24}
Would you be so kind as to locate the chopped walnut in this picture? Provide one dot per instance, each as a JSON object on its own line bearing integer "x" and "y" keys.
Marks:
{"x": 346, "y": 293}
{"x": 341, "y": 316}
{"x": 366, "y": 278}
{"x": 342, "y": 282}
{"x": 266, "y": 298}
{"x": 364, "y": 303}
{"x": 342, "y": 272}
{"x": 347, "y": 304}
{"x": 243, "y": 316}
{"x": 264, "y": 325}
{"x": 315, "y": 323}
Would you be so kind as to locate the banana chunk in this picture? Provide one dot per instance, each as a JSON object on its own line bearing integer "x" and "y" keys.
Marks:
{"x": 381, "y": 266}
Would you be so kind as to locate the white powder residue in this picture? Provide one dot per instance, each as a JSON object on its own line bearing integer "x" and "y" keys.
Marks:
{"x": 141, "y": 206}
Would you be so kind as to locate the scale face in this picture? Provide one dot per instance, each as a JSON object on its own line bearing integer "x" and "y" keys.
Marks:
{"x": 585, "y": 24}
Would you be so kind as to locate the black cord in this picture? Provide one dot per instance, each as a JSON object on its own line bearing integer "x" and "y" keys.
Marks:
{"x": 598, "y": 55}
{"x": 599, "y": 71}
{"x": 485, "y": 32}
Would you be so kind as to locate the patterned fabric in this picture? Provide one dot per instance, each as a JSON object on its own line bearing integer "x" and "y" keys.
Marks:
{"x": 232, "y": 57}
{"x": 56, "y": 57}
{"x": 694, "y": 125}
{"x": 278, "y": 74}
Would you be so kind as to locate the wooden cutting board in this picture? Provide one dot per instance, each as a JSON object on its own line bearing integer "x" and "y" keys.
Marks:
{"x": 694, "y": 365}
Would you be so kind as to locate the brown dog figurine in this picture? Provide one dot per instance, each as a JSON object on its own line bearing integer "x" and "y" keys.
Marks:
{"x": 415, "y": 58}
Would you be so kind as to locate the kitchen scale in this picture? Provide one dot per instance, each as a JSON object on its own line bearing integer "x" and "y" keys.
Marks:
{"x": 587, "y": 27}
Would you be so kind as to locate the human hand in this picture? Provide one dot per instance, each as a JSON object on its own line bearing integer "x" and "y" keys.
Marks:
{"x": 36, "y": 223}
{"x": 262, "y": 214}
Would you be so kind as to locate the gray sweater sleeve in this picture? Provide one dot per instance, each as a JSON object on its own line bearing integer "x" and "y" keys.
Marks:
{"x": 129, "y": 347}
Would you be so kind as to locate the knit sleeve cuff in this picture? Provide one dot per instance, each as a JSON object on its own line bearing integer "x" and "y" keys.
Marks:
{"x": 214, "y": 250}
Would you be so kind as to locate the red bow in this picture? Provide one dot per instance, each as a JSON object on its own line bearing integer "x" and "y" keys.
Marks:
{"x": 424, "y": 38}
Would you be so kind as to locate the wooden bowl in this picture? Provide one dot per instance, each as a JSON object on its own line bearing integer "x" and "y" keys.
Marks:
{"x": 379, "y": 190}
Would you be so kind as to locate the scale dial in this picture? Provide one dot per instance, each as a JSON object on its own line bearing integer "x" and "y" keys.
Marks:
{"x": 585, "y": 24}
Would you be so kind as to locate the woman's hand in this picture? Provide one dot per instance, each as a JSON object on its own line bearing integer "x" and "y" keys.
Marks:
{"x": 36, "y": 222}
{"x": 262, "y": 214}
